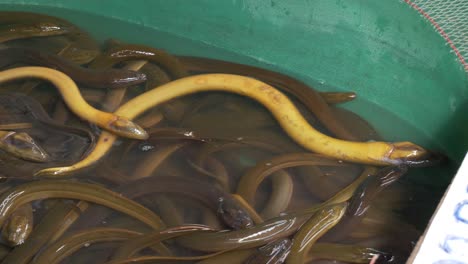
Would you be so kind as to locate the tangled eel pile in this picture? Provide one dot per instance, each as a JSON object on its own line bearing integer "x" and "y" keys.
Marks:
{"x": 127, "y": 154}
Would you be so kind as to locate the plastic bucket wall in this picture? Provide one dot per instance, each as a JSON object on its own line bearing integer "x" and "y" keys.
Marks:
{"x": 383, "y": 50}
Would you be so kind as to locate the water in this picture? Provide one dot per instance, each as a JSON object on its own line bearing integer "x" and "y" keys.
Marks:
{"x": 233, "y": 132}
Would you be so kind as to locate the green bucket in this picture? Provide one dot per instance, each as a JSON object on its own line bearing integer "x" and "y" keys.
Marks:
{"x": 410, "y": 85}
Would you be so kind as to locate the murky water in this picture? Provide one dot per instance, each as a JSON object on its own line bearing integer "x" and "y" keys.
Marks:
{"x": 209, "y": 142}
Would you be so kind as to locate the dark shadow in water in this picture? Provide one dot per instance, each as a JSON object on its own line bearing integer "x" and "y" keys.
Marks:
{"x": 428, "y": 185}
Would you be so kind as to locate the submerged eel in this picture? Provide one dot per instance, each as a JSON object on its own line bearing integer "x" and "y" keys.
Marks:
{"x": 101, "y": 78}
{"x": 282, "y": 191}
{"x": 113, "y": 98}
{"x": 66, "y": 246}
{"x": 46, "y": 189}
{"x": 294, "y": 124}
{"x": 258, "y": 235}
{"x": 30, "y": 29}
{"x": 72, "y": 97}
{"x": 228, "y": 208}
{"x": 27, "y": 104}
{"x": 362, "y": 199}
{"x": 126, "y": 52}
{"x": 133, "y": 246}
{"x": 119, "y": 52}
{"x": 337, "y": 97}
{"x": 14, "y": 126}
{"x": 313, "y": 229}
{"x": 21, "y": 145}
{"x": 18, "y": 227}
{"x": 53, "y": 223}
{"x": 249, "y": 182}
{"x": 76, "y": 45}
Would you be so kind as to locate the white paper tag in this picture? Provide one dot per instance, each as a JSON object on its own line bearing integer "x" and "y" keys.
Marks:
{"x": 446, "y": 239}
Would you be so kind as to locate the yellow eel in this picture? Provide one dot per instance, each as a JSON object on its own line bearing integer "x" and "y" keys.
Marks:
{"x": 288, "y": 116}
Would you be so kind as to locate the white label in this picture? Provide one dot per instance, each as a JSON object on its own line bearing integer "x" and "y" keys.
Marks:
{"x": 446, "y": 240}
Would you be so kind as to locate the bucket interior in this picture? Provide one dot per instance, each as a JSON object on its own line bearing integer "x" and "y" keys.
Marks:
{"x": 409, "y": 83}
